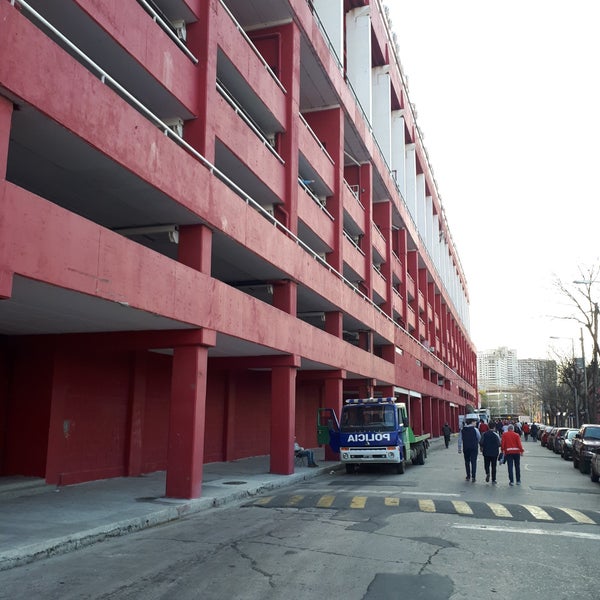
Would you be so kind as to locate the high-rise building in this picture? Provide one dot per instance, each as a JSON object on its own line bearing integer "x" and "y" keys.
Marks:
{"x": 216, "y": 217}
{"x": 497, "y": 369}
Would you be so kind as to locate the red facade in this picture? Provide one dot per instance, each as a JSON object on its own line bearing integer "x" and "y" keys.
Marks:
{"x": 202, "y": 241}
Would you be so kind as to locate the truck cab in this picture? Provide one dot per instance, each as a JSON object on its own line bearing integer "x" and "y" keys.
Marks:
{"x": 372, "y": 431}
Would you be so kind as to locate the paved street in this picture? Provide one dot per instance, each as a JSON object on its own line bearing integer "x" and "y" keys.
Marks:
{"x": 424, "y": 535}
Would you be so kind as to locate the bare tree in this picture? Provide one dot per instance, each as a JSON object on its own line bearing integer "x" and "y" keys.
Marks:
{"x": 586, "y": 314}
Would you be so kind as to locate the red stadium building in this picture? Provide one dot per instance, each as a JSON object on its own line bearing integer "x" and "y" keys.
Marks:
{"x": 216, "y": 216}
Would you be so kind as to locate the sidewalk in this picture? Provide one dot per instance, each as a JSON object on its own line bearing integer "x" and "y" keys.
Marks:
{"x": 39, "y": 520}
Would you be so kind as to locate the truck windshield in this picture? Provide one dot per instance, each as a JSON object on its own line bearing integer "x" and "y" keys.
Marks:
{"x": 368, "y": 417}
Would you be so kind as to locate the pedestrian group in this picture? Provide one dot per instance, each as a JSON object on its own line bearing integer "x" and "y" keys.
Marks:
{"x": 499, "y": 442}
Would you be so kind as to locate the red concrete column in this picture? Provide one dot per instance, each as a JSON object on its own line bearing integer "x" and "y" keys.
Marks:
{"x": 427, "y": 421}
{"x": 290, "y": 78}
{"x": 137, "y": 402}
{"x": 283, "y": 411}
{"x": 382, "y": 216}
{"x": 202, "y": 41}
{"x": 366, "y": 199}
{"x": 435, "y": 418}
{"x": 187, "y": 421}
{"x": 334, "y": 323}
{"x": 334, "y": 391}
{"x": 415, "y": 414}
{"x": 6, "y": 110}
{"x": 284, "y": 296}
{"x": 195, "y": 247}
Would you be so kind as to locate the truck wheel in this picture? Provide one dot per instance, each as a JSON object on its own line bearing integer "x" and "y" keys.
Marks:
{"x": 349, "y": 468}
{"x": 400, "y": 468}
{"x": 421, "y": 457}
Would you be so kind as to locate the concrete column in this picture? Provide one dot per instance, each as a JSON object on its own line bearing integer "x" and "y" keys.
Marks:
{"x": 398, "y": 150}
{"x": 202, "y": 37}
{"x": 187, "y": 420}
{"x": 6, "y": 110}
{"x": 366, "y": 198}
{"x": 415, "y": 414}
{"x": 334, "y": 391}
{"x": 283, "y": 410}
{"x": 411, "y": 181}
{"x": 195, "y": 247}
{"x": 331, "y": 15}
{"x": 358, "y": 55}
{"x": 427, "y": 415}
{"x": 290, "y": 78}
{"x": 285, "y": 297}
{"x": 382, "y": 110}
{"x": 421, "y": 208}
{"x": 137, "y": 405}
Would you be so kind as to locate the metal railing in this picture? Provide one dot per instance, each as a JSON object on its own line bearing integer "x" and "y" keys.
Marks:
{"x": 106, "y": 79}
{"x": 241, "y": 112}
{"x": 253, "y": 47}
{"x": 168, "y": 28}
{"x": 314, "y": 135}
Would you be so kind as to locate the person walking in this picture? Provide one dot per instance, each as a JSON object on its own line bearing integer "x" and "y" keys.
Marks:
{"x": 490, "y": 446}
{"x": 446, "y": 432}
{"x": 468, "y": 444}
{"x": 512, "y": 448}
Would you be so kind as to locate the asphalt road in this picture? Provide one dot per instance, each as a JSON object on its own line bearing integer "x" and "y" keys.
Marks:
{"x": 424, "y": 535}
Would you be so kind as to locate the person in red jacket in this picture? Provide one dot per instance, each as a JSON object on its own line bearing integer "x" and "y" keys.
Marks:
{"x": 512, "y": 449}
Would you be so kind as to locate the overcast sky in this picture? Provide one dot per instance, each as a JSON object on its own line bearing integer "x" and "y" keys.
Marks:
{"x": 508, "y": 99}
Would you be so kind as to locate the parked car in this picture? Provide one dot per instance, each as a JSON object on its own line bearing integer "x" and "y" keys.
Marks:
{"x": 595, "y": 465}
{"x": 566, "y": 444}
{"x": 558, "y": 436}
{"x": 545, "y": 434}
{"x": 550, "y": 438}
{"x": 586, "y": 440}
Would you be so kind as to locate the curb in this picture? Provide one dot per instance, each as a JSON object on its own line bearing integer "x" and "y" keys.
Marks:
{"x": 181, "y": 508}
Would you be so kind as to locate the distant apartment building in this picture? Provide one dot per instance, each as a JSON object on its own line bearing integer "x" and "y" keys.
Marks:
{"x": 216, "y": 217}
{"x": 497, "y": 369}
{"x": 513, "y": 386}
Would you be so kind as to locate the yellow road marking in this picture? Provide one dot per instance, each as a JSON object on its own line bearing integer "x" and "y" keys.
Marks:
{"x": 538, "y": 513}
{"x": 578, "y": 516}
{"x": 263, "y": 501}
{"x": 462, "y": 508}
{"x": 325, "y": 501}
{"x": 294, "y": 500}
{"x": 392, "y": 501}
{"x": 358, "y": 502}
{"x": 499, "y": 510}
{"x": 426, "y": 505}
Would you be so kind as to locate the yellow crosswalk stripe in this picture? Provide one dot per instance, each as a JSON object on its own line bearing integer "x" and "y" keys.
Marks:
{"x": 325, "y": 501}
{"x": 358, "y": 502}
{"x": 263, "y": 501}
{"x": 294, "y": 500}
{"x": 462, "y": 508}
{"x": 427, "y": 506}
{"x": 578, "y": 516}
{"x": 392, "y": 501}
{"x": 499, "y": 510}
{"x": 537, "y": 512}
